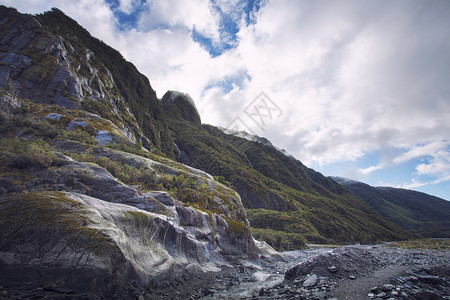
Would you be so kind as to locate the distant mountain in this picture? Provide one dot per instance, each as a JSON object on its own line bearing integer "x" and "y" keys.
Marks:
{"x": 285, "y": 201}
{"x": 414, "y": 211}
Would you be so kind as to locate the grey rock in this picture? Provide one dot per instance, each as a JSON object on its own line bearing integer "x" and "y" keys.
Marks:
{"x": 104, "y": 137}
{"x": 163, "y": 197}
{"x": 311, "y": 280}
{"x": 332, "y": 269}
{"x": 54, "y": 116}
{"x": 77, "y": 123}
{"x": 374, "y": 289}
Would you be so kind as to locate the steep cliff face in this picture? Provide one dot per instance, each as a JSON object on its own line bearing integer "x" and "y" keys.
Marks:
{"x": 50, "y": 59}
{"x": 83, "y": 205}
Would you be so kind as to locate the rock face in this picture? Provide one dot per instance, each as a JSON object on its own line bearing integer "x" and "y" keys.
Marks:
{"x": 115, "y": 234}
{"x": 46, "y": 68}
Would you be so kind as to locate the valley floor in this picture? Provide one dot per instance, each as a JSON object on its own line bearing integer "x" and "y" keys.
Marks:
{"x": 349, "y": 272}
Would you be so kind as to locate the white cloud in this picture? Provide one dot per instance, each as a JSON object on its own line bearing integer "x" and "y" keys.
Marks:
{"x": 439, "y": 164}
{"x": 196, "y": 14}
{"x": 414, "y": 184}
{"x": 127, "y": 6}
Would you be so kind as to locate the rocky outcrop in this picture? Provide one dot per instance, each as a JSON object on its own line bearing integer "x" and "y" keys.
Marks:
{"x": 81, "y": 243}
{"x": 59, "y": 224}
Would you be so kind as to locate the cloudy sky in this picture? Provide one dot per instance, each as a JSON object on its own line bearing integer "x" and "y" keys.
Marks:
{"x": 359, "y": 89}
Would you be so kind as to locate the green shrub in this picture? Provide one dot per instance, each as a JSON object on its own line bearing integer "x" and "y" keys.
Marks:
{"x": 279, "y": 240}
{"x": 22, "y": 153}
{"x": 78, "y": 135}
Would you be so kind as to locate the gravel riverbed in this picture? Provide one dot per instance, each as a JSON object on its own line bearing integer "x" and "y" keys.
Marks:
{"x": 348, "y": 272}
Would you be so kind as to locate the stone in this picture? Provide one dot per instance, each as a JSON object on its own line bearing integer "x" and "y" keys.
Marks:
{"x": 311, "y": 280}
{"x": 371, "y": 295}
{"x": 76, "y": 123}
{"x": 374, "y": 289}
{"x": 54, "y": 116}
{"x": 381, "y": 295}
{"x": 141, "y": 297}
{"x": 388, "y": 287}
{"x": 352, "y": 277}
{"x": 103, "y": 137}
{"x": 332, "y": 269}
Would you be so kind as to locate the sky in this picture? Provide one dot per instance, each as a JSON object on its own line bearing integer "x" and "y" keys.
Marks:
{"x": 358, "y": 89}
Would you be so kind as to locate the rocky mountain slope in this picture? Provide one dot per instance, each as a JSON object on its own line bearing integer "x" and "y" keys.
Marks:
{"x": 286, "y": 201}
{"x": 50, "y": 59}
{"x": 87, "y": 202}
{"x": 414, "y": 211}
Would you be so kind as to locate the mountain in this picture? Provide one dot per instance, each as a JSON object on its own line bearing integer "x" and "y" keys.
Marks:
{"x": 414, "y": 211}
{"x": 90, "y": 199}
{"x": 286, "y": 202}
{"x": 51, "y": 59}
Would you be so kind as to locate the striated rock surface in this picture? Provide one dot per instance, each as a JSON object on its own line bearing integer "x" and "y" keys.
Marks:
{"x": 108, "y": 230}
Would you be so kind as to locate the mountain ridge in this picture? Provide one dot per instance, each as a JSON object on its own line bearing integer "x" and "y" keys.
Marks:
{"x": 414, "y": 211}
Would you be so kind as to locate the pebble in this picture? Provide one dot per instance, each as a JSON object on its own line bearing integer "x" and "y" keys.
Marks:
{"x": 332, "y": 269}
{"x": 381, "y": 295}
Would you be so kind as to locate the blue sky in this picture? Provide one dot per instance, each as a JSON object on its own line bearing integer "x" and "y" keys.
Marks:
{"x": 361, "y": 87}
